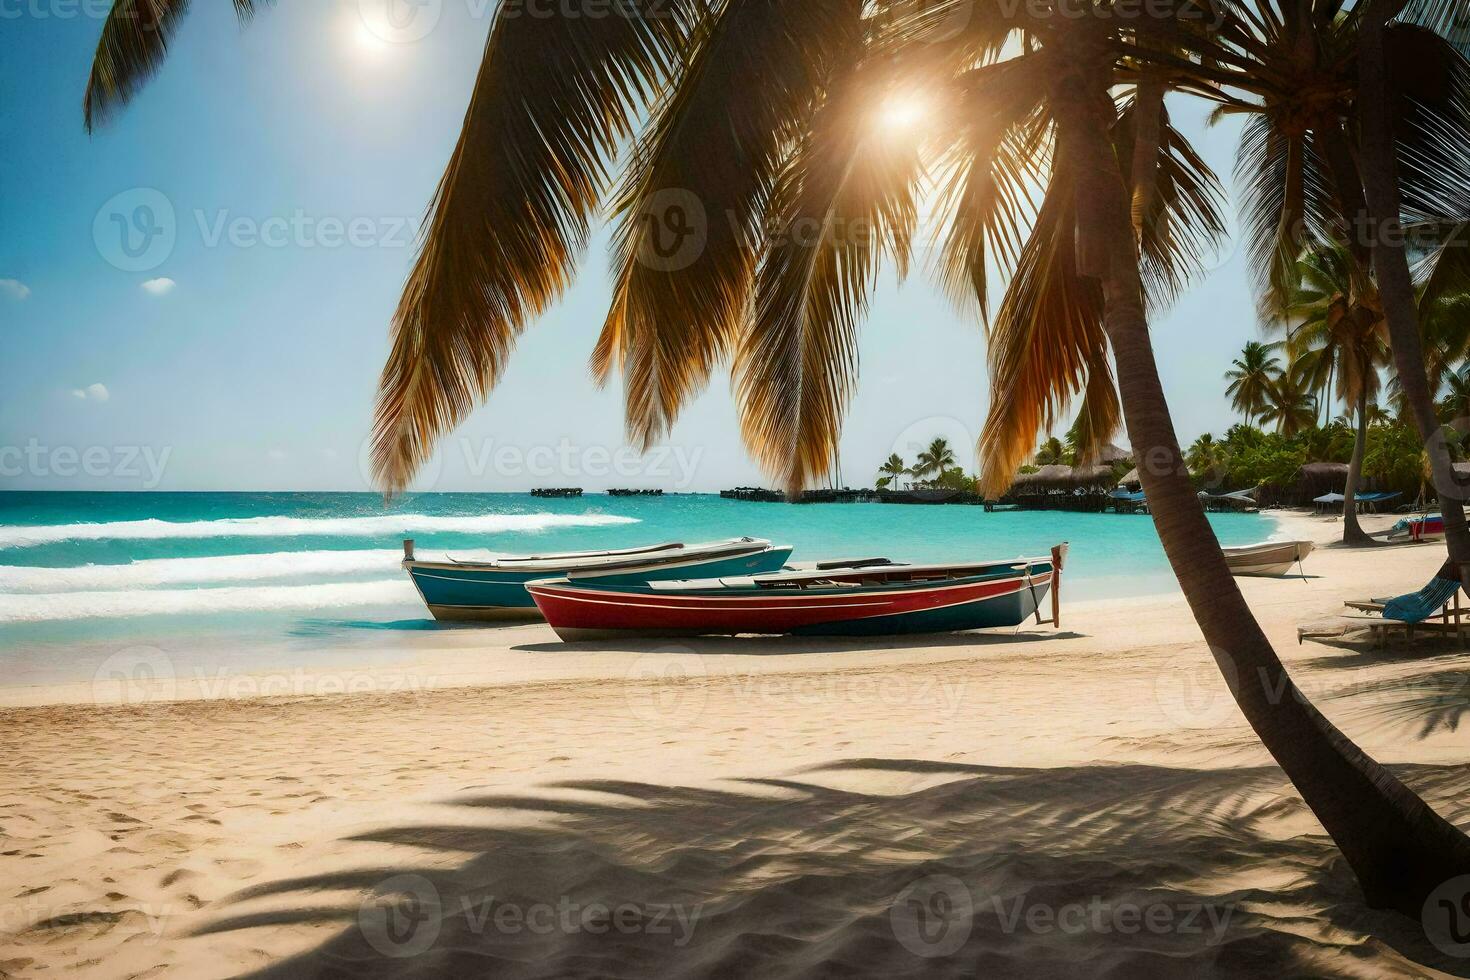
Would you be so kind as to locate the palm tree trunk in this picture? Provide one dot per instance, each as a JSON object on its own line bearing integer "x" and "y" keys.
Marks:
{"x": 1379, "y": 167}
{"x": 1399, "y": 849}
{"x": 1352, "y": 531}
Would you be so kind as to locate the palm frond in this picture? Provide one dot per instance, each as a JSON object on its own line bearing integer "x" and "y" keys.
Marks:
{"x": 1046, "y": 342}
{"x": 1287, "y": 205}
{"x": 554, "y": 97}
{"x": 698, "y": 187}
{"x": 1182, "y": 224}
{"x": 996, "y": 160}
{"x": 134, "y": 42}
{"x": 1431, "y": 83}
{"x": 846, "y": 193}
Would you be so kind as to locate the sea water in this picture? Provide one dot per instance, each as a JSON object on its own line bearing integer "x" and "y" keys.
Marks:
{"x": 278, "y": 577}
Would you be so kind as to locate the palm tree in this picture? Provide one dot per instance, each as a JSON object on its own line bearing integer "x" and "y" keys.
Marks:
{"x": 893, "y": 469}
{"x": 1251, "y": 378}
{"x": 1289, "y": 405}
{"x": 1051, "y": 452}
{"x": 936, "y": 459}
{"x": 1428, "y": 120}
{"x": 1207, "y": 458}
{"x": 1341, "y": 332}
{"x": 758, "y": 123}
{"x": 1358, "y": 118}
{"x": 1455, "y": 405}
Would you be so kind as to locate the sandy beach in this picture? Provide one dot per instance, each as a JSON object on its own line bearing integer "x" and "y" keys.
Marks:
{"x": 1054, "y": 802}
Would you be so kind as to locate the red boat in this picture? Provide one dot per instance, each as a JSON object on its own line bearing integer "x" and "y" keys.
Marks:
{"x": 845, "y": 601}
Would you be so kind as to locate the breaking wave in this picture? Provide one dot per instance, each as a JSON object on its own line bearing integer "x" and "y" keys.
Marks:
{"x": 20, "y": 536}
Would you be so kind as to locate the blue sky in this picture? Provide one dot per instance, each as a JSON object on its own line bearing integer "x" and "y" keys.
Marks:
{"x": 244, "y": 354}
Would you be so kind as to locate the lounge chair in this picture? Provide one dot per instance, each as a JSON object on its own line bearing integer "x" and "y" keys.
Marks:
{"x": 1435, "y": 608}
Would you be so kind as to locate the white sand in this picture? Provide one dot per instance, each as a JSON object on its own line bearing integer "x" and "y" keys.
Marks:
{"x": 1051, "y": 803}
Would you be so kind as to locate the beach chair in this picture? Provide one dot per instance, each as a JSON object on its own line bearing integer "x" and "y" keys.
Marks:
{"x": 1434, "y": 608}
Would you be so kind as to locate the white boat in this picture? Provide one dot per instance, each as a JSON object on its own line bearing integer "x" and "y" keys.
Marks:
{"x": 1267, "y": 557}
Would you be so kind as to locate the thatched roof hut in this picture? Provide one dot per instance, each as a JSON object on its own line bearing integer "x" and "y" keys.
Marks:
{"x": 1130, "y": 479}
{"x": 1315, "y": 479}
{"x": 1056, "y": 477}
{"x": 1053, "y": 476}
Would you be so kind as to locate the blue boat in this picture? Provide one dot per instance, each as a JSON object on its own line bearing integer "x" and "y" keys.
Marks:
{"x": 495, "y": 589}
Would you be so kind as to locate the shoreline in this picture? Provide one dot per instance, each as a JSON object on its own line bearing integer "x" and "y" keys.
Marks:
{"x": 447, "y": 658}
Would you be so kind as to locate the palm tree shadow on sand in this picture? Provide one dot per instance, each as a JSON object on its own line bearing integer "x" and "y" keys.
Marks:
{"x": 968, "y": 871}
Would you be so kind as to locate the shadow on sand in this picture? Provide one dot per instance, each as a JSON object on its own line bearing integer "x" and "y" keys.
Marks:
{"x": 934, "y": 869}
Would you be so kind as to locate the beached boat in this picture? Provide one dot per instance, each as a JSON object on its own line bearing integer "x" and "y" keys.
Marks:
{"x": 1427, "y": 528}
{"x": 874, "y": 600}
{"x": 495, "y": 589}
{"x": 1266, "y": 558}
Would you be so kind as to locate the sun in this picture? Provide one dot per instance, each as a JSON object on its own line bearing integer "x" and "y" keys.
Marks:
{"x": 365, "y": 40}
{"x": 904, "y": 111}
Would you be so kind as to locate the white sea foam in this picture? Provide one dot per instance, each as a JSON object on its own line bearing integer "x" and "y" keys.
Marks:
{"x": 174, "y": 602}
{"x": 387, "y": 525}
{"x": 153, "y": 572}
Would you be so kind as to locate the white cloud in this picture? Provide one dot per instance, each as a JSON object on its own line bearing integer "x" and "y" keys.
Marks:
{"x": 96, "y": 392}
{"x": 276, "y": 455}
{"x": 159, "y": 286}
{"x": 15, "y": 288}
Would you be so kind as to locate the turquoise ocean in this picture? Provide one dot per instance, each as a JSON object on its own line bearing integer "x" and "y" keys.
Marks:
{"x": 275, "y": 580}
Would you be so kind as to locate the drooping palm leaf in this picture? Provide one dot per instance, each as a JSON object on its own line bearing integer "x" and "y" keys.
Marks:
{"x": 1045, "y": 342}
{"x": 994, "y": 164}
{"x": 1181, "y": 224}
{"x": 134, "y": 41}
{"x": 846, "y": 193}
{"x": 554, "y": 97}
{"x": 698, "y": 187}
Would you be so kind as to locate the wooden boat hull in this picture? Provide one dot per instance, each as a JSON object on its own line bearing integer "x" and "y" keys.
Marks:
{"x": 580, "y": 610}
{"x": 1267, "y": 558}
{"x": 479, "y": 592}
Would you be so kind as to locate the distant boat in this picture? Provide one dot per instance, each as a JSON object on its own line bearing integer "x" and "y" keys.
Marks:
{"x": 875, "y": 600}
{"x": 1427, "y": 528}
{"x": 1266, "y": 558}
{"x": 495, "y": 589}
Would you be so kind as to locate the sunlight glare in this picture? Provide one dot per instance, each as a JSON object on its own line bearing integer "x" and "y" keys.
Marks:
{"x": 366, "y": 41}
{"x": 904, "y": 111}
